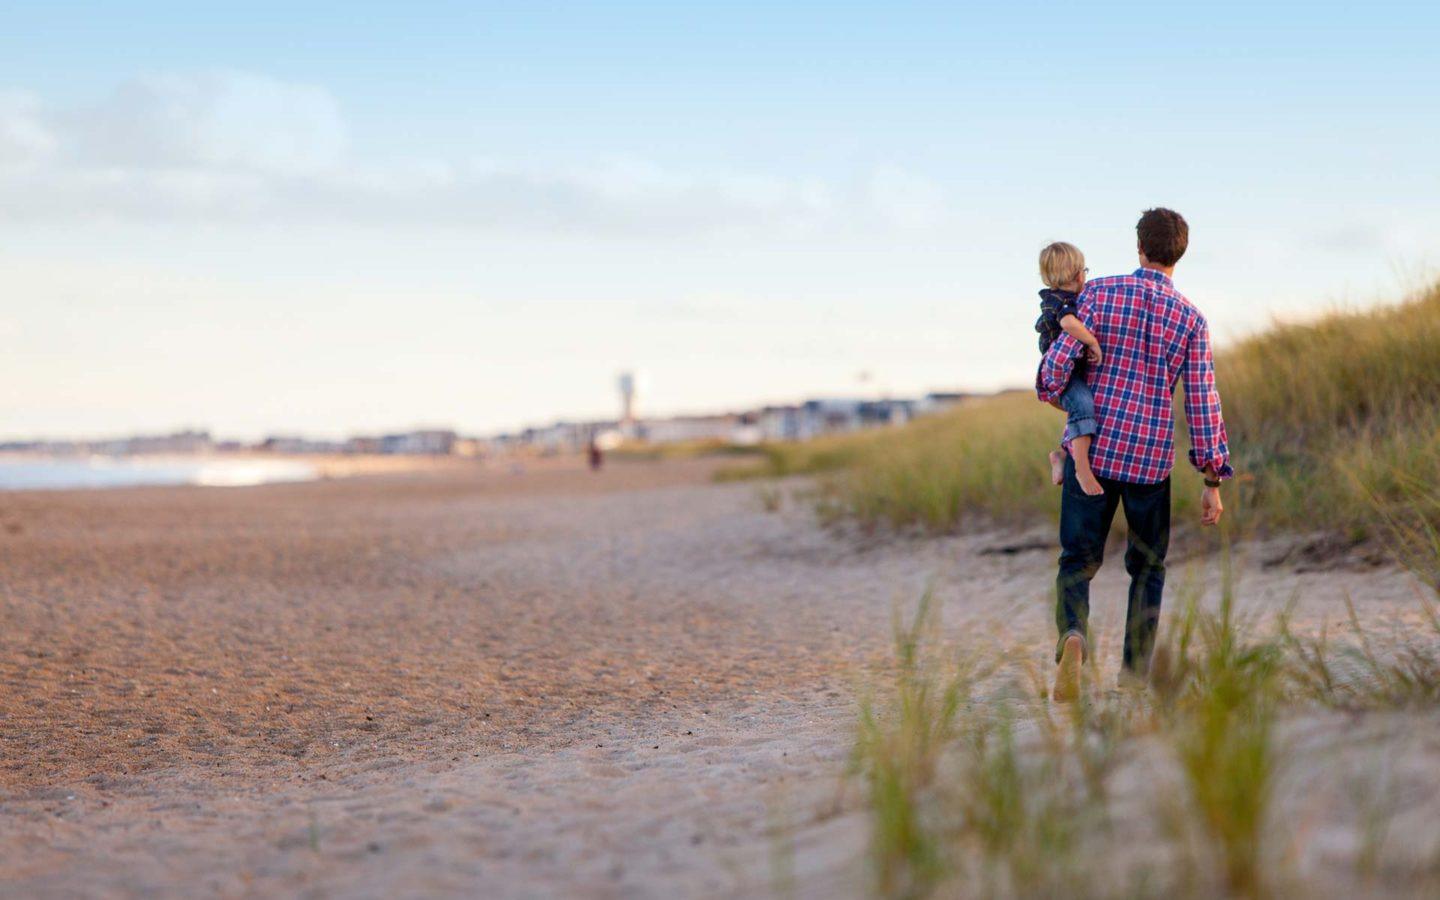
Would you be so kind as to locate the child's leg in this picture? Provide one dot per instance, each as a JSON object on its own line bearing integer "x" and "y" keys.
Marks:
{"x": 1080, "y": 449}
{"x": 1080, "y": 429}
{"x": 1057, "y": 457}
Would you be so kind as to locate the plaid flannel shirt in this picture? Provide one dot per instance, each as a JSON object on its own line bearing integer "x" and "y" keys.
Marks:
{"x": 1152, "y": 337}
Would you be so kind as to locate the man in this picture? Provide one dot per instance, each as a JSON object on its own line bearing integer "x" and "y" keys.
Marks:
{"x": 1152, "y": 338}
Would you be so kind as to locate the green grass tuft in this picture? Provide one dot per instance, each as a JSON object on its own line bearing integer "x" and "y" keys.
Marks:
{"x": 897, "y": 750}
{"x": 1222, "y": 695}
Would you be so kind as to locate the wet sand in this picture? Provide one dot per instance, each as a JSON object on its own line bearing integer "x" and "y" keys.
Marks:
{"x": 473, "y": 681}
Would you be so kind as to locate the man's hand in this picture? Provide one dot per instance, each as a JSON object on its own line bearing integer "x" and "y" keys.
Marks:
{"x": 1210, "y": 506}
{"x": 1092, "y": 353}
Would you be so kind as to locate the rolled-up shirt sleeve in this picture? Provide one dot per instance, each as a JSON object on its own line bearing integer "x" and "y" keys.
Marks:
{"x": 1209, "y": 444}
{"x": 1058, "y": 363}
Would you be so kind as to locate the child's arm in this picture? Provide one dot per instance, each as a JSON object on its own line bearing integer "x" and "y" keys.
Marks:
{"x": 1076, "y": 329}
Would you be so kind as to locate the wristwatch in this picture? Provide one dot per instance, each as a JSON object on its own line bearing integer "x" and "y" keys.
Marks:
{"x": 1212, "y": 482}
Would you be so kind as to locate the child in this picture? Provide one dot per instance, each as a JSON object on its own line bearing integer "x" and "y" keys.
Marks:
{"x": 1062, "y": 268}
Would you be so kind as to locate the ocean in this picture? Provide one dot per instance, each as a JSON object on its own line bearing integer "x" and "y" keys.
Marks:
{"x": 37, "y": 474}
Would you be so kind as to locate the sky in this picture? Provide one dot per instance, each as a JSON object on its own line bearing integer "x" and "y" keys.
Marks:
{"x": 337, "y": 218}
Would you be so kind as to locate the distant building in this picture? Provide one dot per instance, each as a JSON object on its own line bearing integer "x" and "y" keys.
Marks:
{"x": 362, "y": 445}
{"x": 829, "y": 416}
{"x": 781, "y": 423}
{"x": 939, "y": 401}
{"x": 561, "y": 437}
{"x": 886, "y": 412}
{"x": 629, "y": 385}
{"x": 430, "y": 442}
{"x": 294, "y": 445}
{"x": 677, "y": 429}
{"x": 181, "y": 442}
{"x": 471, "y": 448}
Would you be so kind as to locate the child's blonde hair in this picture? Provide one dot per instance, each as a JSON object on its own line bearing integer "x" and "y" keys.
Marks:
{"x": 1060, "y": 264}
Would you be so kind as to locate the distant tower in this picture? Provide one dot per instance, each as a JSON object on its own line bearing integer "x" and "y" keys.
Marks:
{"x": 629, "y": 386}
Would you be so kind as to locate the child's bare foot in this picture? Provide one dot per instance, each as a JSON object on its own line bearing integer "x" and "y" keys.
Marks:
{"x": 1057, "y": 467}
{"x": 1080, "y": 449}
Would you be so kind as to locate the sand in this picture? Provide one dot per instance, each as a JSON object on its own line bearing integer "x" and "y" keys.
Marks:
{"x": 481, "y": 681}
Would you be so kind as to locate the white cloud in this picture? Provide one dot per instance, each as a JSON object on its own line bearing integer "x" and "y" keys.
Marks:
{"x": 1395, "y": 239}
{"x": 227, "y": 146}
{"x": 907, "y": 199}
{"x": 1354, "y": 237}
{"x": 24, "y": 137}
{"x": 226, "y": 120}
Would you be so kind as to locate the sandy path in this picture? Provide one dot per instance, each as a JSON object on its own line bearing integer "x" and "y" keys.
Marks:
{"x": 632, "y": 684}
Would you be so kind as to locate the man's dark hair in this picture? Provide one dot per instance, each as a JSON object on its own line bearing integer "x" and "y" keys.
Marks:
{"x": 1163, "y": 235}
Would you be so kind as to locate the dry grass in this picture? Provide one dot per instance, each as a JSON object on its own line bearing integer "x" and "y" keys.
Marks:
{"x": 1327, "y": 420}
{"x": 897, "y": 752}
{"x": 1335, "y": 425}
{"x": 1170, "y": 789}
{"x": 1221, "y": 695}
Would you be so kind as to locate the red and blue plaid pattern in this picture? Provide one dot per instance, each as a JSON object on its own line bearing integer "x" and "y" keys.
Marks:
{"x": 1151, "y": 337}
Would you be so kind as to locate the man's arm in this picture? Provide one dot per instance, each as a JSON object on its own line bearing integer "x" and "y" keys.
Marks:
{"x": 1059, "y": 361}
{"x": 1209, "y": 444}
{"x": 1209, "y": 447}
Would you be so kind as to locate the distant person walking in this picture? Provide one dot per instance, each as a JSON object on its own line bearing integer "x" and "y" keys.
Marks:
{"x": 596, "y": 455}
{"x": 1152, "y": 338}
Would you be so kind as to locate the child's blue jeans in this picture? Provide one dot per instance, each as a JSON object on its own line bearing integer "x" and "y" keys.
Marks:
{"x": 1079, "y": 403}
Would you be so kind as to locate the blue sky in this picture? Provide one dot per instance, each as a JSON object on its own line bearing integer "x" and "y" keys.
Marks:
{"x": 357, "y": 216}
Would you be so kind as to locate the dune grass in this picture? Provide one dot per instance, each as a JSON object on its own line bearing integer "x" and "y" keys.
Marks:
{"x": 977, "y": 793}
{"x": 1220, "y": 715}
{"x": 1170, "y": 789}
{"x": 1328, "y": 421}
{"x": 898, "y": 749}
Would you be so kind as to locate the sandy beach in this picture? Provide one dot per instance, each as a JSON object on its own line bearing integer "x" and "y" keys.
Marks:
{"x": 482, "y": 681}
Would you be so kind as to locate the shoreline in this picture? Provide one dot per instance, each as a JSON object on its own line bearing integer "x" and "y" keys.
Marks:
{"x": 228, "y": 470}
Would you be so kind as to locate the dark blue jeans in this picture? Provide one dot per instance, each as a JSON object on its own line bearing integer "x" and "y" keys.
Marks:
{"x": 1084, "y": 525}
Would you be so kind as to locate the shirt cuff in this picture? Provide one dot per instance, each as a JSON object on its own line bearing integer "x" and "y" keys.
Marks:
{"x": 1044, "y": 393}
{"x": 1219, "y": 464}
{"x": 1042, "y": 388}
